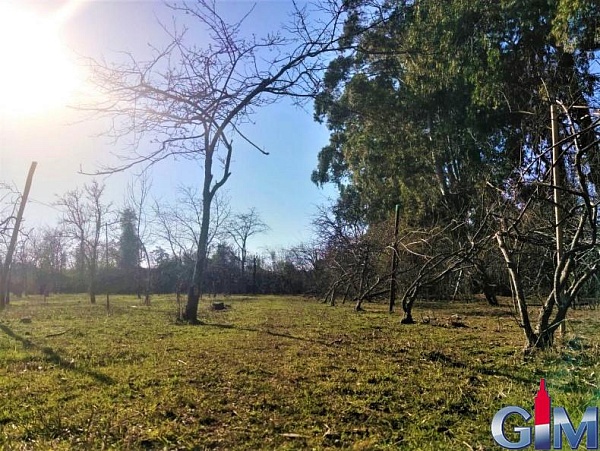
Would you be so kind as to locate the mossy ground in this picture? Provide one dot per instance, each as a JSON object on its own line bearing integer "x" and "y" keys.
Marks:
{"x": 274, "y": 373}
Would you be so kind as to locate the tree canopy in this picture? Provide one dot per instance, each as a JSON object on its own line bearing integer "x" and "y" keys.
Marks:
{"x": 441, "y": 97}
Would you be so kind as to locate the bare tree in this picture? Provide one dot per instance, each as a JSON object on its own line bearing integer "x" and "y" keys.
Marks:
{"x": 355, "y": 256}
{"x": 24, "y": 261}
{"x": 240, "y": 228}
{"x": 178, "y": 225}
{"x": 50, "y": 255}
{"x": 192, "y": 100}
{"x": 527, "y": 224}
{"x": 309, "y": 257}
{"x": 351, "y": 257}
{"x": 9, "y": 200}
{"x": 169, "y": 231}
{"x": 84, "y": 214}
{"x": 137, "y": 199}
{"x": 5, "y": 270}
{"x": 429, "y": 257}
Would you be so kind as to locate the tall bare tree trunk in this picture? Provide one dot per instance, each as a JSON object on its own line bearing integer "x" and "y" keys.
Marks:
{"x": 195, "y": 289}
{"x": 5, "y": 276}
{"x": 92, "y": 282}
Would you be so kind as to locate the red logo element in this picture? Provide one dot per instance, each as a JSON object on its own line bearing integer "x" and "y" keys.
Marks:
{"x": 542, "y": 405}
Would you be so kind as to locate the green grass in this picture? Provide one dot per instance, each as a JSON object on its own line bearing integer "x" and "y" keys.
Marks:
{"x": 274, "y": 373}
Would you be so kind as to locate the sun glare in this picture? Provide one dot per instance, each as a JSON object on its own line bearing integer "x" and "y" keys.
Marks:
{"x": 36, "y": 72}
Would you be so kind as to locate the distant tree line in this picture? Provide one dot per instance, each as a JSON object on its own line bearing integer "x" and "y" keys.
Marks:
{"x": 97, "y": 248}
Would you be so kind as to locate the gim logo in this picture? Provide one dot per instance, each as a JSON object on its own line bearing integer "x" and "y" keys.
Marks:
{"x": 543, "y": 425}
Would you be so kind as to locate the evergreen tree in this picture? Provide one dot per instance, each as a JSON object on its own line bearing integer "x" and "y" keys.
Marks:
{"x": 441, "y": 97}
{"x": 129, "y": 243}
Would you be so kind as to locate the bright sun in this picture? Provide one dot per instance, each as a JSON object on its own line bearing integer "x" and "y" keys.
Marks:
{"x": 36, "y": 73}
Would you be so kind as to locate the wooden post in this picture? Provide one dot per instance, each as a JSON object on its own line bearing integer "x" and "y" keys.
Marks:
{"x": 254, "y": 286}
{"x": 4, "y": 277}
{"x": 557, "y": 183}
{"x": 106, "y": 269}
{"x": 394, "y": 260}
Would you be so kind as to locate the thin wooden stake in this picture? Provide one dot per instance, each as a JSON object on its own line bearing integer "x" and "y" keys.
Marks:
{"x": 394, "y": 260}
{"x": 557, "y": 182}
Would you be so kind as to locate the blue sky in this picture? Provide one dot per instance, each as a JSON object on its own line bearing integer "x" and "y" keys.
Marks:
{"x": 278, "y": 185}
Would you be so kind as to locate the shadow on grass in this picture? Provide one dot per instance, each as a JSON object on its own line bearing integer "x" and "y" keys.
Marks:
{"x": 436, "y": 356}
{"x": 269, "y": 332}
{"x": 433, "y": 356}
{"x": 53, "y": 357}
{"x": 471, "y": 308}
{"x": 508, "y": 374}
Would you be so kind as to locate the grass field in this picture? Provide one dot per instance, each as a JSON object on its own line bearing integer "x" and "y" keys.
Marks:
{"x": 274, "y": 373}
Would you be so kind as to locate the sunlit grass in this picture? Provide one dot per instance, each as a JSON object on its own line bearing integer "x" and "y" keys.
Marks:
{"x": 273, "y": 373}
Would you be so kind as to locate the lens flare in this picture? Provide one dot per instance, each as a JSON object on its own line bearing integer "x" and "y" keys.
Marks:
{"x": 37, "y": 73}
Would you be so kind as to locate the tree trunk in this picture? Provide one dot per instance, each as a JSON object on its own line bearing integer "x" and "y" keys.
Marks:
{"x": 407, "y": 308}
{"x": 457, "y": 286}
{"x": 408, "y": 301}
{"x": 243, "y": 261}
{"x": 490, "y": 294}
{"x": 358, "y": 305}
{"x": 543, "y": 338}
{"x": 92, "y": 284}
{"x": 190, "y": 313}
{"x": 147, "y": 297}
{"x": 545, "y": 329}
{"x": 519, "y": 301}
{"x": 482, "y": 278}
{"x": 93, "y": 266}
{"x": 331, "y": 293}
{"x": 195, "y": 290}
{"x": 345, "y": 298}
{"x": 7, "y": 298}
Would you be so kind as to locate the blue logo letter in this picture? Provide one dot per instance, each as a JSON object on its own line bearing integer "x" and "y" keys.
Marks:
{"x": 498, "y": 428}
{"x": 562, "y": 423}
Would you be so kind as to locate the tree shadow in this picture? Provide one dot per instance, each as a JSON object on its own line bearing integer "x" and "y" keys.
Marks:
{"x": 50, "y": 355}
{"x": 506, "y": 373}
{"x": 477, "y": 368}
{"x": 269, "y": 332}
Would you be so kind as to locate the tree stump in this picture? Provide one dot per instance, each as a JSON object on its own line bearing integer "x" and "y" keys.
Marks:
{"x": 218, "y": 306}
